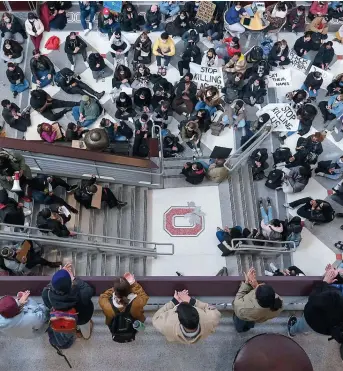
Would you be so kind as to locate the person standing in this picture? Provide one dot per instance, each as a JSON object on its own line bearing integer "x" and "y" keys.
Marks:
{"x": 16, "y": 78}
{"x": 186, "y": 320}
{"x": 75, "y": 45}
{"x": 254, "y": 302}
{"x": 35, "y": 28}
{"x": 87, "y": 9}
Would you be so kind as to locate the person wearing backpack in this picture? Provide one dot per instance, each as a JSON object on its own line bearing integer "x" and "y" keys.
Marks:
{"x": 22, "y": 317}
{"x": 122, "y": 305}
{"x": 271, "y": 228}
{"x": 186, "y": 320}
{"x": 69, "y": 296}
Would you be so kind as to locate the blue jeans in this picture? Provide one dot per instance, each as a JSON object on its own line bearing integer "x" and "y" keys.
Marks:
{"x": 203, "y": 105}
{"x": 214, "y": 35}
{"x": 76, "y": 115}
{"x": 19, "y": 88}
{"x": 267, "y": 218}
{"x": 310, "y": 92}
{"x": 168, "y": 10}
{"x": 109, "y": 30}
{"x": 300, "y": 326}
{"x": 241, "y": 325}
{"x": 148, "y": 27}
{"x": 220, "y": 234}
{"x": 85, "y": 13}
{"x": 306, "y": 56}
{"x": 45, "y": 81}
{"x": 166, "y": 60}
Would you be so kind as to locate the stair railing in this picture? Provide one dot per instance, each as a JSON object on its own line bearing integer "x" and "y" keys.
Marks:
{"x": 157, "y": 133}
{"x": 249, "y": 244}
{"x": 85, "y": 241}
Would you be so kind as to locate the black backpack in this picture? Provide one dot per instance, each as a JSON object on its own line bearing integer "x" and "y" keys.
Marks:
{"x": 274, "y": 179}
{"x": 143, "y": 149}
{"x": 124, "y": 129}
{"x": 121, "y": 326}
{"x": 281, "y": 154}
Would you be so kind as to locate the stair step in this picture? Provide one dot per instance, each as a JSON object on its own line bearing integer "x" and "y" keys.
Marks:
{"x": 127, "y": 217}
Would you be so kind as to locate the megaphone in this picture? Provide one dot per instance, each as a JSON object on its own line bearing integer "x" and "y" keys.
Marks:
{"x": 16, "y": 183}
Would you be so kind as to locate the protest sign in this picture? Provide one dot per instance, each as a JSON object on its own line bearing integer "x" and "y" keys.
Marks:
{"x": 205, "y": 11}
{"x": 282, "y": 116}
{"x": 299, "y": 63}
{"x": 114, "y": 6}
{"x": 277, "y": 79}
{"x": 327, "y": 76}
{"x": 207, "y": 76}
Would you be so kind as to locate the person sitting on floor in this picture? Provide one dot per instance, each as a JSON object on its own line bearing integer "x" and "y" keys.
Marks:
{"x": 194, "y": 172}
{"x": 297, "y": 98}
{"x": 107, "y": 22}
{"x": 75, "y": 45}
{"x": 12, "y": 51}
{"x": 163, "y": 91}
{"x": 124, "y": 107}
{"x": 121, "y": 78}
{"x": 271, "y": 228}
{"x": 11, "y": 212}
{"x": 335, "y": 9}
{"x": 142, "y": 99}
{"x": 42, "y": 69}
{"x": 191, "y": 135}
{"x": 210, "y": 58}
{"x": 35, "y": 28}
{"x": 84, "y": 194}
{"x": 170, "y": 8}
{"x": 237, "y": 63}
{"x": 130, "y": 20}
{"x": 339, "y": 35}
{"x": 72, "y": 84}
{"x": 74, "y": 132}
{"x": 11, "y": 28}
{"x": 237, "y": 114}
{"x": 142, "y": 49}
{"x": 171, "y": 145}
{"x": 336, "y": 86}
{"x": 333, "y": 108}
{"x": 87, "y": 9}
{"x": 190, "y": 36}
{"x": 202, "y": 118}
{"x": 233, "y": 87}
{"x": 161, "y": 115}
{"x": 295, "y": 179}
{"x": 116, "y": 132}
{"x": 303, "y": 45}
{"x": 88, "y": 111}
{"x": 141, "y": 77}
{"x": 191, "y": 54}
{"x": 296, "y": 19}
{"x": 209, "y": 99}
{"x": 324, "y": 56}
{"x": 153, "y": 19}
{"x": 318, "y": 9}
{"x": 290, "y": 271}
{"x": 254, "y": 92}
{"x": 330, "y": 169}
{"x": 164, "y": 47}
{"x": 50, "y": 132}
{"x": 54, "y": 218}
{"x": 278, "y": 56}
{"x": 228, "y": 48}
{"x": 98, "y": 67}
{"x": 17, "y": 80}
{"x": 276, "y": 16}
{"x": 185, "y": 95}
{"x": 214, "y": 29}
{"x": 12, "y": 116}
{"x": 320, "y": 26}
{"x": 57, "y": 16}
{"x": 217, "y": 172}
{"x": 120, "y": 47}
{"x": 179, "y": 25}
{"x": 312, "y": 84}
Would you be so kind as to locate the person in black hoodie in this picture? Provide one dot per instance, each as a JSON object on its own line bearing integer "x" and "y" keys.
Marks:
{"x": 163, "y": 91}
{"x": 278, "y": 56}
{"x": 12, "y": 28}
{"x": 12, "y": 51}
{"x": 153, "y": 19}
{"x": 214, "y": 29}
{"x": 84, "y": 195}
{"x": 99, "y": 68}
{"x": 161, "y": 115}
{"x": 75, "y": 45}
{"x": 54, "y": 219}
{"x": 13, "y": 117}
{"x": 124, "y": 107}
{"x": 234, "y": 87}
{"x": 16, "y": 78}
{"x": 171, "y": 145}
{"x": 142, "y": 99}
{"x": 185, "y": 95}
{"x": 74, "y": 132}
{"x": 66, "y": 292}
{"x": 142, "y": 49}
{"x": 122, "y": 76}
{"x": 57, "y": 15}
{"x": 42, "y": 69}
{"x": 324, "y": 56}
{"x": 191, "y": 54}
{"x": 179, "y": 26}
{"x": 312, "y": 84}
{"x": 254, "y": 91}
{"x": 143, "y": 130}
{"x": 71, "y": 84}
{"x": 303, "y": 45}
{"x": 297, "y": 98}
{"x": 191, "y": 7}
{"x": 11, "y": 212}
{"x": 190, "y": 35}
{"x": 129, "y": 18}
{"x": 194, "y": 172}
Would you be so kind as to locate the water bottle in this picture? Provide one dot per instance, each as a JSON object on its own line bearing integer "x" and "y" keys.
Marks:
{"x": 138, "y": 325}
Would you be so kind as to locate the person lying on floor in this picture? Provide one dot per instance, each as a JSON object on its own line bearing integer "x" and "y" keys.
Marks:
{"x": 330, "y": 169}
{"x": 12, "y": 116}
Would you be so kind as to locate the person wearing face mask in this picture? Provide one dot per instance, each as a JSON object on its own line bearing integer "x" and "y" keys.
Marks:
{"x": 164, "y": 47}
{"x": 324, "y": 56}
{"x": 169, "y": 8}
{"x": 75, "y": 45}
{"x": 259, "y": 70}
{"x": 120, "y": 47}
{"x": 190, "y": 36}
{"x": 209, "y": 99}
{"x": 129, "y": 20}
{"x": 336, "y": 86}
{"x": 88, "y": 111}
{"x": 233, "y": 17}
{"x": 179, "y": 26}
{"x": 202, "y": 119}
{"x": 57, "y": 16}
{"x": 194, "y": 172}
{"x": 12, "y": 28}
{"x": 237, "y": 114}
{"x": 312, "y": 84}
{"x": 42, "y": 69}
{"x": 278, "y": 56}
{"x": 163, "y": 91}
{"x": 161, "y": 115}
{"x": 153, "y": 19}
{"x": 234, "y": 87}
{"x": 318, "y": 9}
{"x": 121, "y": 78}
{"x": 142, "y": 99}
{"x": 296, "y": 20}
{"x": 330, "y": 169}
{"x": 107, "y": 23}
{"x": 191, "y": 54}
{"x": 17, "y": 80}
{"x": 254, "y": 91}
{"x": 185, "y": 95}
{"x": 143, "y": 130}
{"x": 214, "y": 29}
{"x": 210, "y": 58}
{"x": 142, "y": 49}
{"x": 12, "y": 52}
{"x": 191, "y": 7}
{"x": 141, "y": 77}
{"x": 87, "y": 9}
{"x": 34, "y": 27}
{"x": 303, "y": 45}
{"x": 191, "y": 135}
{"x": 333, "y": 108}
{"x": 99, "y": 68}
{"x": 227, "y": 49}
{"x": 124, "y": 107}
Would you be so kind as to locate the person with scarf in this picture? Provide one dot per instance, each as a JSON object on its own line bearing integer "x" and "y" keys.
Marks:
{"x": 210, "y": 58}
{"x": 233, "y": 18}
{"x": 11, "y": 28}
{"x": 333, "y": 108}
{"x": 318, "y": 9}
{"x": 99, "y": 68}
{"x": 191, "y": 135}
{"x": 75, "y": 45}
{"x": 153, "y": 19}
{"x": 107, "y": 23}
{"x": 254, "y": 92}
{"x": 17, "y": 80}
{"x": 278, "y": 56}
{"x": 57, "y": 16}
{"x": 191, "y": 54}
{"x": 209, "y": 99}
{"x": 12, "y": 51}
{"x": 303, "y": 45}
{"x": 125, "y": 292}
{"x": 129, "y": 20}
{"x": 124, "y": 107}
{"x": 185, "y": 95}
{"x": 35, "y": 28}
{"x": 296, "y": 20}
{"x": 312, "y": 84}
{"x": 12, "y": 116}
{"x": 194, "y": 172}
{"x": 324, "y": 56}
{"x": 120, "y": 47}
{"x": 336, "y": 86}
{"x": 121, "y": 78}
{"x": 141, "y": 77}
{"x": 87, "y": 9}
{"x": 42, "y": 69}
{"x": 276, "y": 16}
{"x": 164, "y": 48}
{"x": 142, "y": 50}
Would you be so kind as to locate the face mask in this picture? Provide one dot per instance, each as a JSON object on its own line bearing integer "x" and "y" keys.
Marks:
{"x": 143, "y": 39}
{"x": 122, "y": 72}
{"x": 182, "y": 17}
{"x": 237, "y": 8}
{"x": 141, "y": 70}
{"x": 8, "y": 46}
{"x": 122, "y": 100}
{"x": 106, "y": 16}
{"x": 237, "y": 78}
{"x": 7, "y": 20}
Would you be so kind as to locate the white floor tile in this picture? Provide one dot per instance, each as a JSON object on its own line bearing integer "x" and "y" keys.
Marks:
{"x": 225, "y": 139}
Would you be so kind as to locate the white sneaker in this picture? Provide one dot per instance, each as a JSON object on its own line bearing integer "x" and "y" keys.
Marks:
{"x": 27, "y": 213}
{"x": 72, "y": 67}
{"x": 86, "y": 64}
{"x": 287, "y": 206}
{"x": 90, "y": 26}
{"x": 273, "y": 267}
{"x": 130, "y": 119}
{"x": 267, "y": 273}
{"x": 320, "y": 174}
{"x": 86, "y": 31}
{"x": 199, "y": 152}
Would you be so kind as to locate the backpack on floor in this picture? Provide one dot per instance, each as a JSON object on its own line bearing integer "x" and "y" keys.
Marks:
{"x": 274, "y": 179}
{"x": 143, "y": 149}
{"x": 122, "y": 325}
{"x": 53, "y": 43}
{"x": 266, "y": 45}
{"x": 255, "y": 55}
{"x": 282, "y": 154}
{"x": 63, "y": 321}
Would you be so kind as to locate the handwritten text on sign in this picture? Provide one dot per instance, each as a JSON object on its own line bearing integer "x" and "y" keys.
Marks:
{"x": 207, "y": 76}
{"x": 299, "y": 63}
{"x": 279, "y": 78}
{"x": 205, "y": 11}
{"x": 327, "y": 76}
{"x": 282, "y": 116}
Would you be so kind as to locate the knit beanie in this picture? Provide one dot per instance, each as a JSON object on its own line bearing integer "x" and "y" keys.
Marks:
{"x": 61, "y": 281}
{"x": 9, "y": 307}
{"x": 265, "y": 296}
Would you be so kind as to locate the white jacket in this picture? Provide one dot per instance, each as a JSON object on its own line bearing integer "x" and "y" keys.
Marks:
{"x": 213, "y": 63}
{"x": 38, "y": 24}
{"x": 124, "y": 40}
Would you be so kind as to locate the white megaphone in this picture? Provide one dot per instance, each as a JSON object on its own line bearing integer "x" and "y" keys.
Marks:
{"x": 16, "y": 184}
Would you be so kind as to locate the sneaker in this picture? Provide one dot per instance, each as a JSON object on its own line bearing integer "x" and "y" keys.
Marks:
{"x": 121, "y": 204}
{"x": 27, "y": 213}
{"x": 90, "y": 26}
{"x": 73, "y": 210}
{"x": 199, "y": 152}
{"x": 164, "y": 71}
{"x": 273, "y": 267}
{"x": 260, "y": 201}
{"x": 267, "y": 273}
{"x": 15, "y": 94}
{"x": 291, "y": 322}
{"x": 72, "y": 67}
{"x": 85, "y": 33}
{"x": 287, "y": 206}
{"x": 268, "y": 201}
{"x": 86, "y": 64}
{"x": 159, "y": 71}
{"x": 320, "y": 174}
{"x": 73, "y": 188}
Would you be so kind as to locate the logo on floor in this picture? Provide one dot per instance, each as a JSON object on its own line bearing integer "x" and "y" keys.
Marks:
{"x": 184, "y": 221}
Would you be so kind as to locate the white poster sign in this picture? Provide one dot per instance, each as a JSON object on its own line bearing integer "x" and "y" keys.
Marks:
{"x": 327, "y": 76}
{"x": 281, "y": 78}
{"x": 282, "y": 116}
{"x": 297, "y": 62}
{"x": 207, "y": 76}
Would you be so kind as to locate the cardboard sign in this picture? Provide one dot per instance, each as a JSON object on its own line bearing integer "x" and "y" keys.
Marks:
{"x": 282, "y": 116}
{"x": 205, "y": 11}
{"x": 277, "y": 79}
{"x": 205, "y": 76}
{"x": 96, "y": 199}
{"x": 80, "y": 144}
{"x": 56, "y": 127}
{"x": 297, "y": 62}
{"x": 327, "y": 76}
{"x": 24, "y": 249}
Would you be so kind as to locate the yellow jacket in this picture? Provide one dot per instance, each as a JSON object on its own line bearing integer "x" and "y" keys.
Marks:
{"x": 167, "y": 48}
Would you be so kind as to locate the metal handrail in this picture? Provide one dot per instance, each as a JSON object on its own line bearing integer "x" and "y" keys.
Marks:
{"x": 242, "y": 246}
{"x": 161, "y": 144}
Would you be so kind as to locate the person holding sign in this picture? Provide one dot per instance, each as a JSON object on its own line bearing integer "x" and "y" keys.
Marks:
{"x": 278, "y": 56}
{"x": 164, "y": 47}
{"x": 303, "y": 45}
{"x": 312, "y": 84}
{"x": 233, "y": 17}
{"x": 333, "y": 108}
{"x": 324, "y": 56}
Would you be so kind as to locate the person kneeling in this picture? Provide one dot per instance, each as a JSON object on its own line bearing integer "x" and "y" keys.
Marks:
{"x": 194, "y": 172}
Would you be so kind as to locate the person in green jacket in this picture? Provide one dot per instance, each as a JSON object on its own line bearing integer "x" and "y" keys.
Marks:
{"x": 88, "y": 111}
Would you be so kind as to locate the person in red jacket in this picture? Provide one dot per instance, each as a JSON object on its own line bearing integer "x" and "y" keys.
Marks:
{"x": 318, "y": 9}
{"x": 227, "y": 48}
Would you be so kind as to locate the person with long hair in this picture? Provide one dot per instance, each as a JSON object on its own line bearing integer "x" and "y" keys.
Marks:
{"x": 11, "y": 28}
{"x": 35, "y": 28}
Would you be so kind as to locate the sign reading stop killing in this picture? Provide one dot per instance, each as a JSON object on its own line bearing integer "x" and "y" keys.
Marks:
{"x": 282, "y": 116}
{"x": 205, "y": 76}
